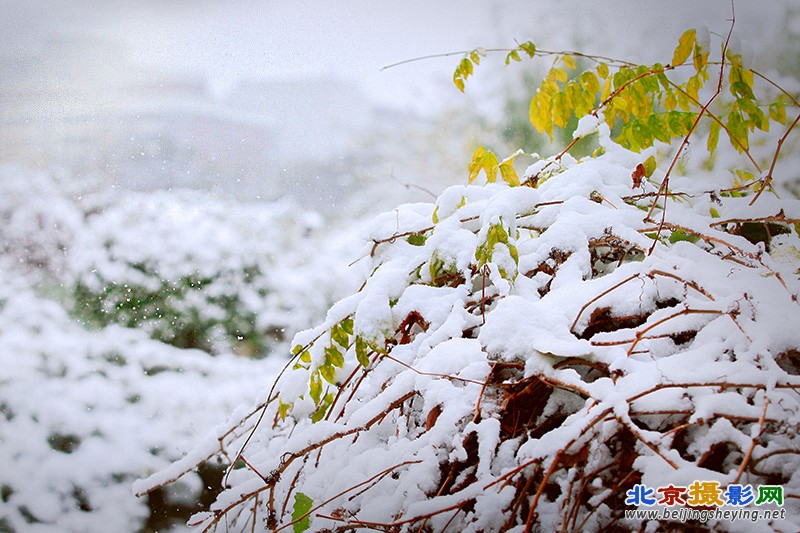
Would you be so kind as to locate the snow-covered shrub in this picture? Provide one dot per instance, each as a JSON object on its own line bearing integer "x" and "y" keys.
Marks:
{"x": 200, "y": 273}
{"x": 528, "y": 357}
{"x": 84, "y": 413}
{"x": 38, "y": 222}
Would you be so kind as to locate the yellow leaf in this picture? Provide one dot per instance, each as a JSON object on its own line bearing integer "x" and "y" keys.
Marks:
{"x": 589, "y": 82}
{"x": 489, "y": 164}
{"x": 606, "y": 89}
{"x": 602, "y": 70}
{"x": 670, "y": 103}
{"x": 700, "y": 58}
{"x": 747, "y": 77}
{"x": 559, "y": 74}
{"x": 713, "y": 136}
{"x": 569, "y": 62}
{"x": 683, "y": 101}
{"x": 476, "y": 163}
{"x": 508, "y": 173}
{"x": 693, "y": 87}
{"x": 777, "y": 112}
{"x": 541, "y": 113}
{"x": 561, "y": 110}
{"x": 684, "y": 48}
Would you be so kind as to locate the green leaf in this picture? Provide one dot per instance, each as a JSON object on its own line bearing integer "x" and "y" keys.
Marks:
{"x": 602, "y": 70}
{"x": 744, "y": 176}
{"x": 347, "y": 325}
{"x": 590, "y": 82}
{"x": 315, "y": 387}
{"x": 497, "y": 233}
{"x": 623, "y": 76}
{"x": 658, "y": 70}
{"x": 435, "y": 216}
{"x": 713, "y": 212}
{"x": 328, "y": 372}
{"x": 681, "y": 235}
{"x": 684, "y": 48}
{"x": 647, "y": 79}
{"x": 482, "y": 255}
{"x": 466, "y": 67}
{"x": 737, "y": 131}
{"x": 741, "y": 89}
{"x": 659, "y": 127}
{"x": 683, "y": 101}
{"x": 361, "y": 352}
{"x": 416, "y": 239}
{"x": 302, "y": 508}
{"x": 340, "y": 336}
{"x": 305, "y": 356}
{"x": 529, "y": 48}
{"x": 680, "y": 122}
{"x": 319, "y": 414}
{"x": 297, "y": 349}
{"x": 333, "y": 356}
{"x": 283, "y": 409}
{"x": 513, "y": 55}
{"x": 777, "y": 112}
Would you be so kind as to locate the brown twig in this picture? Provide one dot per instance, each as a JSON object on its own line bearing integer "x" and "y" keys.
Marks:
{"x": 766, "y": 180}
{"x": 379, "y": 475}
{"x": 754, "y": 442}
{"x": 665, "y": 182}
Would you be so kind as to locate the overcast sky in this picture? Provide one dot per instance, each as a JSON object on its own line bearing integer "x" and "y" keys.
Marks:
{"x": 352, "y": 39}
